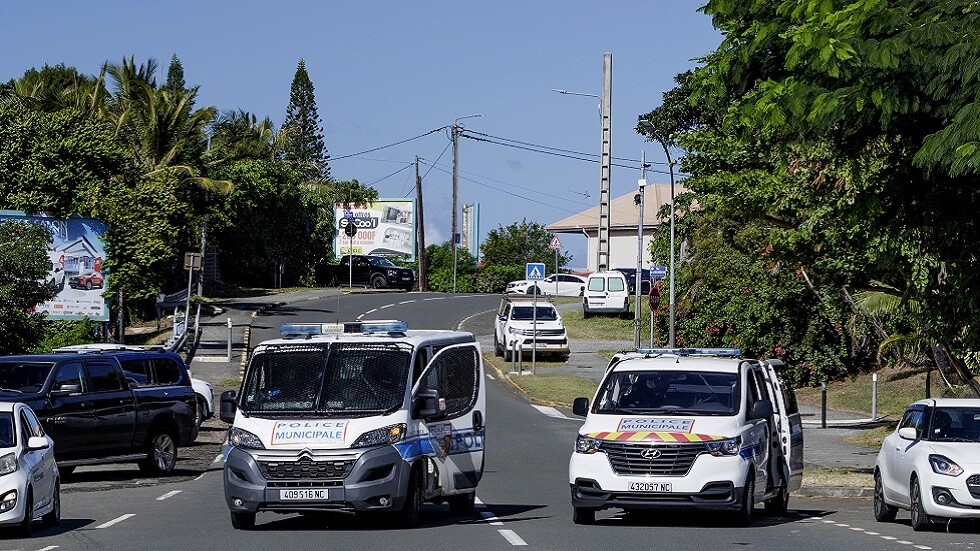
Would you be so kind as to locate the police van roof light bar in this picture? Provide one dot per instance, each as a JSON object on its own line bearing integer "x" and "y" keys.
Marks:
{"x": 723, "y": 352}
{"x": 310, "y": 329}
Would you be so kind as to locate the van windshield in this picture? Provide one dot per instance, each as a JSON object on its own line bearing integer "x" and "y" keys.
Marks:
{"x": 340, "y": 379}
{"x": 670, "y": 392}
{"x": 545, "y": 313}
{"x": 23, "y": 377}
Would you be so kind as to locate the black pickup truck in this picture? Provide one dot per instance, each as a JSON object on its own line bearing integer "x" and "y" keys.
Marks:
{"x": 97, "y": 413}
{"x": 371, "y": 270}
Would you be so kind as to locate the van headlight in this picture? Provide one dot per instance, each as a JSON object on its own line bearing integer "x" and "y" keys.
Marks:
{"x": 728, "y": 446}
{"x": 513, "y": 331}
{"x": 944, "y": 465}
{"x": 379, "y": 437}
{"x": 8, "y": 464}
{"x": 241, "y": 438}
{"x": 586, "y": 444}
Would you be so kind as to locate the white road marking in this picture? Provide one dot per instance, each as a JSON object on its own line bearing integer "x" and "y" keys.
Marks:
{"x": 217, "y": 458}
{"x": 370, "y": 312}
{"x": 873, "y": 533}
{"x": 406, "y": 302}
{"x": 168, "y": 495}
{"x": 491, "y": 377}
{"x": 513, "y": 538}
{"x": 829, "y": 522}
{"x": 209, "y": 359}
{"x": 491, "y": 518}
{"x": 200, "y": 476}
{"x": 116, "y": 520}
{"x": 903, "y": 542}
{"x": 922, "y": 547}
{"x": 844, "y": 525}
{"x": 889, "y": 538}
{"x": 551, "y": 412}
{"x": 386, "y": 306}
{"x": 435, "y": 298}
{"x": 48, "y": 548}
{"x": 857, "y": 529}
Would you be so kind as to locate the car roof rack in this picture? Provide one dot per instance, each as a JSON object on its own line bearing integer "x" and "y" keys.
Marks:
{"x": 101, "y": 348}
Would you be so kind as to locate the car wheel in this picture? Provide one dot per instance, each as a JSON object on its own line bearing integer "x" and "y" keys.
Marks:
{"x": 202, "y": 411}
{"x": 242, "y": 521}
{"x": 530, "y": 290}
{"x": 88, "y": 285}
{"x": 161, "y": 454}
{"x": 462, "y": 505}
{"x": 410, "y": 513}
{"x": 25, "y": 528}
{"x": 378, "y": 282}
{"x": 777, "y": 505}
{"x": 920, "y": 520}
{"x": 497, "y": 349}
{"x": 883, "y": 511}
{"x": 583, "y": 516}
{"x": 53, "y": 517}
{"x": 743, "y": 517}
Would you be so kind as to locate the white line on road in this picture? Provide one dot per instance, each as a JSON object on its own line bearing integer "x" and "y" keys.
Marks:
{"x": 168, "y": 495}
{"x": 491, "y": 377}
{"x": 435, "y": 298}
{"x": 513, "y": 538}
{"x": 217, "y": 458}
{"x": 491, "y": 518}
{"x": 904, "y": 542}
{"x": 873, "y": 533}
{"x": 48, "y": 548}
{"x": 406, "y": 302}
{"x": 857, "y": 529}
{"x": 889, "y": 538}
{"x": 386, "y": 306}
{"x": 551, "y": 412}
{"x": 116, "y": 520}
{"x": 370, "y": 312}
{"x": 200, "y": 476}
{"x": 922, "y": 547}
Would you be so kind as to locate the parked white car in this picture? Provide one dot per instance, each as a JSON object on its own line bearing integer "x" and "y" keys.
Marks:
{"x": 30, "y": 487}
{"x": 518, "y": 319}
{"x": 930, "y": 465}
{"x": 562, "y": 285}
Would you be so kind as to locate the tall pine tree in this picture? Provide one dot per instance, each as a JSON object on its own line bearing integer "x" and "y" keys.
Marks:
{"x": 175, "y": 76}
{"x": 304, "y": 144}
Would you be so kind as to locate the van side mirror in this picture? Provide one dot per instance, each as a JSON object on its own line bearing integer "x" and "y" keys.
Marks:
{"x": 762, "y": 409}
{"x": 228, "y": 407}
{"x": 430, "y": 405}
{"x": 580, "y": 407}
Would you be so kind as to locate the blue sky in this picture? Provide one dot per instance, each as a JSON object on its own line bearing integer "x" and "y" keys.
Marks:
{"x": 386, "y": 71}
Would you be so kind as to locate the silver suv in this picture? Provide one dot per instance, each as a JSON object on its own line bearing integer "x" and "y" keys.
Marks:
{"x": 524, "y": 324}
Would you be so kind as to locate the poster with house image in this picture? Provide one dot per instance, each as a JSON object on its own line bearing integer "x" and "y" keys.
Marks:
{"x": 78, "y": 268}
{"x": 385, "y": 227}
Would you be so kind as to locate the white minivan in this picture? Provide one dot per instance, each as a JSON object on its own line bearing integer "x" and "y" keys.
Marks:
{"x": 356, "y": 417}
{"x": 606, "y": 293}
{"x": 687, "y": 429}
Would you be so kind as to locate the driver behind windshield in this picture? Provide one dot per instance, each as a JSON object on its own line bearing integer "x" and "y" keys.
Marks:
{"x": 648, "y": 391}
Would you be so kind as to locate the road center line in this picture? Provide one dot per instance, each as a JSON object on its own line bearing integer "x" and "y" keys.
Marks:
{"x": 889, "y": 538}
{"x": 491, "y": 377}
{"x": 386, "y": 306}
{"x": 922, "y": 547}
{"x": 168, "y": 495}
{"x": 48, "y": 548}
{"x": 406, "y": 302}
{"x": 116, "y": 520}
{"x": 513, "y": 538}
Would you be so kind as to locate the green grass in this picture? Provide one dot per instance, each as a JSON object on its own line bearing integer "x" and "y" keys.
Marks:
{"x": 605, "y": 328}
{"x": 872, "y": 438}
{"x": 897, "y": 388}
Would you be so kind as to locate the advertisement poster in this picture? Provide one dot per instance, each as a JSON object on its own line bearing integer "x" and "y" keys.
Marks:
{"x": 385, "y": 227}
{"x": 77, "y": 266}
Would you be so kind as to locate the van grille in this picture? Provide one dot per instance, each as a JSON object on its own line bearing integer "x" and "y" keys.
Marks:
{"x": 672, "y": 459}
{"x": 304, "y": 468}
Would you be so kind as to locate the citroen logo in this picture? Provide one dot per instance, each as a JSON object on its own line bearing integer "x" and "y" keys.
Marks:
{"x": 650, "y": 453}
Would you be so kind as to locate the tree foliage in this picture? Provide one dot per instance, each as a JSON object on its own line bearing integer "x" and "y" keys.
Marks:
{"x": 507, "y": 250}
{"x": 304, "y": 145}
{"x": 24, "y": 264}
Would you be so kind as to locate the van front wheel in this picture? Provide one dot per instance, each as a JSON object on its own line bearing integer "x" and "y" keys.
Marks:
{"x": 743, "y": 517}
{"x": 583, "y": 516}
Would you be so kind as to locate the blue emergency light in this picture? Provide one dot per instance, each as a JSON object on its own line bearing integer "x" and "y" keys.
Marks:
{"x": 722, "y": 352}
{"x": 374, "y": 326}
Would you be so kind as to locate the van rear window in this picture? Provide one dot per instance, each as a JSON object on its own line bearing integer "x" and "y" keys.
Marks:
{"x": 597, "y": 284}
{"x": 617, "y": 284}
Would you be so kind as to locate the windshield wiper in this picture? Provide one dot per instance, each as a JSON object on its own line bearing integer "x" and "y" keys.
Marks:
{"x": 11, "y": 390}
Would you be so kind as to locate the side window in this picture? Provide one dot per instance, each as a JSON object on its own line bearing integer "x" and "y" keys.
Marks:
{"x": 103, "y": 377}
{"x": 506, "y": 313}
{"x": 753, "y": 387}
{"x": 36, "y": 429}
{"x": 137, "y": 370}
{"x": 912, "y": 418}
{"x": 455, "y": 374}
{"x": 760, "y": 382}
{"x": 421, "y": 358}
{"x": 69, "y": 374}
{"x": 167, "y": 372}
{"x": 25, "y": 428}
{"x": 597, "y": 284}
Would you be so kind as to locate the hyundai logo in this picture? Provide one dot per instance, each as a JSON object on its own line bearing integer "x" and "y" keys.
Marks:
{"x": 650, "y": 453}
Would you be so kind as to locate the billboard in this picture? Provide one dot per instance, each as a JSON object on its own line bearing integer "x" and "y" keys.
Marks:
{"x": 77, "y": 257}
{"x": 385, "y": 227}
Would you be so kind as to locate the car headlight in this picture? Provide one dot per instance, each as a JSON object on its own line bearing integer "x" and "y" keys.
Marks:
{"x": 380, "y": 437}
{"x": 586, "y": 444}
{"x": 513, "y": 331}
{"x": 944, "y": 465}
{"x": 728, "y": 446}
{"x": 8, "y": 464}
{"x": 241, "y": 438}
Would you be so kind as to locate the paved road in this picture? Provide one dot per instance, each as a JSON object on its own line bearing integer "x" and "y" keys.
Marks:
{"x": 524, "y": 492}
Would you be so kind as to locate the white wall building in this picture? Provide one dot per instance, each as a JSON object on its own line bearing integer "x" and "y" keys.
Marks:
{"x": 623, "y": 219}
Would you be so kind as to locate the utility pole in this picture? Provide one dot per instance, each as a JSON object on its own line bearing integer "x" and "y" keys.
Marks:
{"x": 606, "y": 162}
{"x": 420, "y": 230}
{"x": 456, "y": 128}
{"x": 642, "y": 182}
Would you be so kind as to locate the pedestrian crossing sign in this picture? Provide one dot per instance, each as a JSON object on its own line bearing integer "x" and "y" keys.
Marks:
{"x": 535, "y": 271}
{"x": 555, "y": 242}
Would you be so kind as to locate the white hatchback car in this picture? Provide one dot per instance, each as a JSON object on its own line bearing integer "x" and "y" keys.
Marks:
{"x": 562, "y": 285}
{"x": 930, "y": 465}
{"x": 30, "y": 487}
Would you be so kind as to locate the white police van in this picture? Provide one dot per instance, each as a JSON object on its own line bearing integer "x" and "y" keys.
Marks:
{"x": 687, "y": 429}
{"x": 356, "y": 417}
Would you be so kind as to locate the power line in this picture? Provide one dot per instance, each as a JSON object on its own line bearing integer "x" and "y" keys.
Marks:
{"x": 548, "y": 147}
{"x": 406, "y": 167}
{"x": 386, "y": 146}
{"x": 430, "y": 168}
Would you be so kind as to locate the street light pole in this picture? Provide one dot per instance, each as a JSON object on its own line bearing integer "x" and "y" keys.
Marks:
{"x": 642, "y": 182}
{"x": 456, "y": 128}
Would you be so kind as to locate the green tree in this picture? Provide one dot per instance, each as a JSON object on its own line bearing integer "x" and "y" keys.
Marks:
{"x": 24, "y": 264}
{"x": 507, "y": 250}
{"x": 304, "y": 145}
{"x": 175, "y": 76}
{"x": 439, "y": 268}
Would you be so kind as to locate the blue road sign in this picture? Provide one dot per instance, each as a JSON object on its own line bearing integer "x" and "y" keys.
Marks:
{"x": 658, "y": 271}
{"x": 535, "y": 271}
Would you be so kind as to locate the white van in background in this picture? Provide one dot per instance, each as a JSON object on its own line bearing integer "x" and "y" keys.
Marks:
{"x": 606, "y": 293}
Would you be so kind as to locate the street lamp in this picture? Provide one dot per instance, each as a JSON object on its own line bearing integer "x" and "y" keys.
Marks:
{"x": 652, "y": 129}
{"x": 456, "y": 128}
